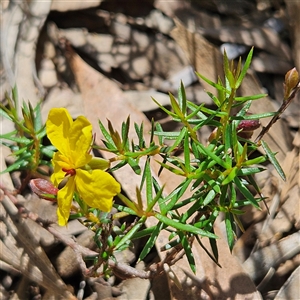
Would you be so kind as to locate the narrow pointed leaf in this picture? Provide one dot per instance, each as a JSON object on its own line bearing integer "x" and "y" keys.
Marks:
{"x": 273, "y": 160}
{"x": 131, "y": 232}
{"x": 11, "y": 137}
{"x": 229, "y": 225}
{"x": 110, "y": 142}
{"x": 182, "y": 98}
{"x": 125, "y": 131}
{"x": 247, "y": 98}
{"x": 176, "y": 107}
{"x": 151, "y": 241}
{"x": 243, "y": 189}
{"x": 164, "y": 109}
{"x": 134, "y": 165}
{"x": 182, "y": 134}
{"x": 213, "y": 84}
{"x": 245, "y": 69}
{"x": 188, "y": 251}
{"x": 184, "y": 227}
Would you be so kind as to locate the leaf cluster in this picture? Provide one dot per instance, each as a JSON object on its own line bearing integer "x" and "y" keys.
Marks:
{"x": 215, "y": 174}
{"x": 26, "y": 140}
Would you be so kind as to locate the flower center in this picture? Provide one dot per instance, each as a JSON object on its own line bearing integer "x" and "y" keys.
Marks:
{"x": 70, "y": 172}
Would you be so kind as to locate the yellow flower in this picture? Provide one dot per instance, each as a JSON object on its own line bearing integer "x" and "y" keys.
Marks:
{"x": 84, "y": 174}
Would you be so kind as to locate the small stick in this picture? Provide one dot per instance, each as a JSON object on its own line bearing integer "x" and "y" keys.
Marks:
{"x": 292, "y": 86}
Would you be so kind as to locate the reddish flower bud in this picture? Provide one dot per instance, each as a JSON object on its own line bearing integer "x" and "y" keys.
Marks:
{"x": 44, "y": 189}
{"x": 246, "y": 127}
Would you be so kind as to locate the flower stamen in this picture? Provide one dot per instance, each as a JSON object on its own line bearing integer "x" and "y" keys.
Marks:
{"x": 70, "y": 172}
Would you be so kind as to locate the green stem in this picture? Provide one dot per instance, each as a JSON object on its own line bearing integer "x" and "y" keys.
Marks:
{"x": 131, "y": 232}
{"x": 228, "y": 107}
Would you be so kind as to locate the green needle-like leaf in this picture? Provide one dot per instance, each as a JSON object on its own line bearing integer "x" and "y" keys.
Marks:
{"x": 243, "y": 189}
{"x": 164, "y": 109}
{"x": 254, "y": 117}
{"x": 169, "y": 135}
{"x": 248, "y": 98}
{"x": 134, "y": 165}
{"x": 159, "y": 130}
{"x": 125, "y": 131}
{"x": 209, "y": 197}
{"x": 4, "y": 112}
{"x": 130, "y": 233}
{"x": 219, "y": 87}
{"x": 230, "y": 229}
{"x": 140, "y": 133}
{"x": 178, "y": 140}
{"x": 245, "y": 69}
{"x": 273, "y": 160}
{"x": 182, "y": 98}
{"x": 230, "y": 177}
{"x": 175, "y": 195}
{"x": 183, "y": 227}
{"x": 17, "y": 165}
{"x": 149, "y": 183}
{"x": 151, "y": 241}
{"x": 11, "y": 136}
{"x": 176, "y": 107}
{"x": 110, "y": 142}
{"x": 186, "y": 151}
{"x": 38, "y": 124}
{"x": 249, "y": 171}
{"x": 217, "y": 159}
{"x": 128, "y": 202}
{"x": 188, "y": 251}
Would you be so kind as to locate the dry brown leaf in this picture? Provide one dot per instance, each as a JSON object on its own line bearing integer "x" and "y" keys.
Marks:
{"x": 290, "y": 290}
{"x": 293, "y": 8}
{"x": 261, "y": 38}
{"x": 188, "y": 15}
{"x": 262, "y": 260}
{"x": 204, "y": 56}
{"x": 264, "y": 63}
{"x": 280, "y": 222}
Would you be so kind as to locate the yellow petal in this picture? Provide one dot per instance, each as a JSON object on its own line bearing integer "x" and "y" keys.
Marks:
{"x": 58, "y": 175}
{"x": 58, "y": 126}
{"x": 64, "y": 201}
{"x": 80, "y": 140}
{"x": 64, "y": 162}
{"x": 97, "y": 188}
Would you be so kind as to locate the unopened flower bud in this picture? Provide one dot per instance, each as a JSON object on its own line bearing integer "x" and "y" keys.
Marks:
{"x": 213, "y": 135}
{"x": 43, "y": 188}
{"x": 291, "y": 81}
{"x": 246, "y": 127}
